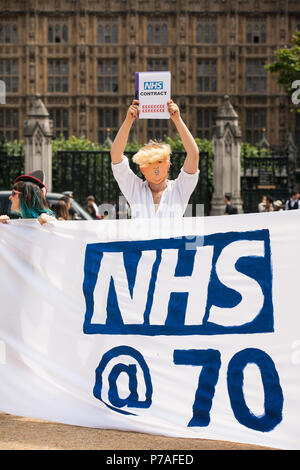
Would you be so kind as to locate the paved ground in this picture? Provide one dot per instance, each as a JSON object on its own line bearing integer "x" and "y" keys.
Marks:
{"x": 17, "y": 433}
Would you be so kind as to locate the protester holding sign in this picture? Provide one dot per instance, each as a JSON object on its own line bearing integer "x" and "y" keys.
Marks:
{"x": 157, "y": 196}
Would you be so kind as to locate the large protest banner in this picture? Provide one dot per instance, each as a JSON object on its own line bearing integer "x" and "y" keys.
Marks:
{"x": 186, "y": 328}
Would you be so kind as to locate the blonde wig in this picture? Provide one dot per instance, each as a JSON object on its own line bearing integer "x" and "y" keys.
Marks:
{"x": 152, "y": 152}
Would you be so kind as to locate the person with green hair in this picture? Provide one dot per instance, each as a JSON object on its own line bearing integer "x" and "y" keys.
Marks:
{"x": 28, "y": 199}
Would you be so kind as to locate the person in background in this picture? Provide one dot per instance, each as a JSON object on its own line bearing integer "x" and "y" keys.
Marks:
{"x": 60, "y": 210}
{"x": 293, "y": 202}
{"x": 67, "y": 201}
{"x": 278, "y": 205}
{"x": 262, "y": 204}
{"x": 90, "y": 201}
{"x": 91, "y": 210}
{"x": 229, "y": 209}
{"x": 268, "y": 205}
{"x": 28, "y": 199}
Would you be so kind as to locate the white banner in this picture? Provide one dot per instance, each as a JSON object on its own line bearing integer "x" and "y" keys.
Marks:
{"x": 181, "y": 328}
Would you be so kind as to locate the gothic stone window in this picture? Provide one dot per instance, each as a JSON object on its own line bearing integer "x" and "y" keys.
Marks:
{"x": 206, "y": 32}
{"x": 107, "y": 123}
{"x": 108, "y": 75}
{"x": 255, "y": 122}
{"x": 8, "y": 33}
{"x": 206, "y": 119}
{"x": 9, "y": 74}
{"x": 157, "y": 65}
{"x": 157, "y": 129}
{"x": 60, "y": 119}
{"x": 9, "y": 124}
{"x": 157, "y": 32}
{"x": 107, "y": 32}
{"x": 256, "y": 32}
{"x": 57, "y": 75}
{"x": 207, "y": 75}
{"x": 255, "y": 75}
{"x": 57, "y": 32}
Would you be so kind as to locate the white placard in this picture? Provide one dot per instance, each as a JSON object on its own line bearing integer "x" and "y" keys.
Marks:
{"x": 153, "y": 90}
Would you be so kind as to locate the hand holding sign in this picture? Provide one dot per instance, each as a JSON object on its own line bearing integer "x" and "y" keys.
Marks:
{"x": 133, "y": 110}
{"x": 173, "y": 110}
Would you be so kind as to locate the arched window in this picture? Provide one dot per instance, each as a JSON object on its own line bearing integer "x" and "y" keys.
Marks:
{"x": 199, "y": 33}
{"x": 164, "y": 34}
{"x": 206, "y": 33}
{"x": 263, "y": 33}
{"x": 14, "y": 33}
{"x": 157, "y": 33}
{"x": 149, "y": 34}
{"x": 107, "y": 34}
{"x": 249, "y": 33}
{"x": 65, "y": 33}
{"x": 114, "y": 33}
{"x": 7, "y": 33}
{"x": 50, "y": 33}
{"x": 100, "y": 33}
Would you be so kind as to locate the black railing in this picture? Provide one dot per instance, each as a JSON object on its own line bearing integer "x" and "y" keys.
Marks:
{"x": 89, "y": 173}
{"x": 11, "y": 166}
{"x": 268, "y": 173}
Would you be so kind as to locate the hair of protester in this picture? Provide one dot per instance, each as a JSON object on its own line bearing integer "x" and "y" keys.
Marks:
{"x": 90, "y": 198}
{"x": 32, "y": 201}
{"x": 91, "y": 210}
{"x": 66, "y": 199}
{"x": 152, "y": 152}
{"x": 228, "y": 197}
{"x": 60, "y": 209}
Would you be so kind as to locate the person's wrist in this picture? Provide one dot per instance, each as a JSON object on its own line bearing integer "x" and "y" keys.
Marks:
{"x": 176, "y": 119}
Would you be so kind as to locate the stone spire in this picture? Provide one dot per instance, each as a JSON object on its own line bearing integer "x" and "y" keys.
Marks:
{"x": 226, "y": 141}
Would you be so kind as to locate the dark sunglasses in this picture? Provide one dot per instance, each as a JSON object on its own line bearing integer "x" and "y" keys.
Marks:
{"x": 14, "y": 192}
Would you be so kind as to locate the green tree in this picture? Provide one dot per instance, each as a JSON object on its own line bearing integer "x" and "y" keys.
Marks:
{"x": 287, "y": 67}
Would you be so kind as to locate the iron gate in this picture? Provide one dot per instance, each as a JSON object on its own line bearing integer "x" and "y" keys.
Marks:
{"x": 271, "y": 175}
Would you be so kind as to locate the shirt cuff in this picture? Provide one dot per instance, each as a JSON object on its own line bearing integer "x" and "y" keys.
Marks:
{"x": 190, "y": 175}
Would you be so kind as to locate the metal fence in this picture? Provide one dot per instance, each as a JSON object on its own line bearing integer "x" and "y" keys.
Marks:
{"x": 270, "y": 174}
{"x": 89, "y": 173}
{"x": 11, "y": 166}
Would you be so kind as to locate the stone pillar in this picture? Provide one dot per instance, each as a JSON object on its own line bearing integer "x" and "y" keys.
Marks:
{"x": 227, "y": 166}
{"x": 38, "y": 132}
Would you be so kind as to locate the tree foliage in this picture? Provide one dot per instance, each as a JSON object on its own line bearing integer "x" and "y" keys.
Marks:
{"x": 287, "y": 65}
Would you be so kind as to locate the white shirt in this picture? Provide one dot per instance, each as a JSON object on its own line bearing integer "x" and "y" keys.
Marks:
{"x": 173, "y": 201}
{"x": 293, "y": 202}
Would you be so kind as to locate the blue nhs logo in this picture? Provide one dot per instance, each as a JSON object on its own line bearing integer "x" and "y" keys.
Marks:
{"x": 154, "y": 85}
{"x": 158, "y": 287}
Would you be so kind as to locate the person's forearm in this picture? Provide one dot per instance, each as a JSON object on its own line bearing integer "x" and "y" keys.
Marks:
{"x": 192, "y": 159}
{"x": 119, "y": 144}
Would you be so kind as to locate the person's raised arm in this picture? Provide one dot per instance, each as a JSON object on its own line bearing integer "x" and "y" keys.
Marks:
{"x": 191, "y": 162}
{"x": 119, "y": 144}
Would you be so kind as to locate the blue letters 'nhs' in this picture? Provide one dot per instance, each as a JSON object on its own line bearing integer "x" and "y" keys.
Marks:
{"x": 160, "y": 287}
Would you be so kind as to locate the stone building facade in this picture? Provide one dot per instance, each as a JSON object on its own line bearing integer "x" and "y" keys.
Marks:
{"x": 81, "y": 57}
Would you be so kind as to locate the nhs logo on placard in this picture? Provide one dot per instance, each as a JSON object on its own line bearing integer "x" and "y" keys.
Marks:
{"x": 159, "y": 287}
{"x": 154, "y": 85}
